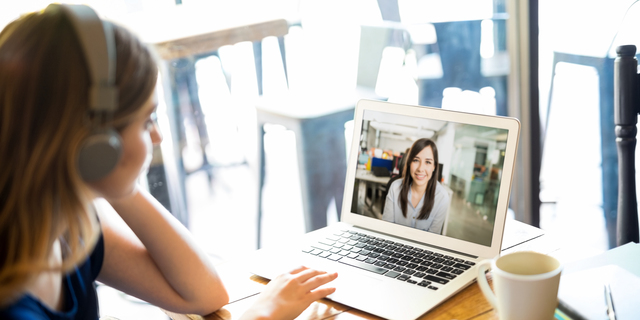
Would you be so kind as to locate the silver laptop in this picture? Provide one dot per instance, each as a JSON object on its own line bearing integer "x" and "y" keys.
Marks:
{"x": 401, "y": 265}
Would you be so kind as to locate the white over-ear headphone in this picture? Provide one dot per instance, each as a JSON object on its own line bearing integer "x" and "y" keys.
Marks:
{"x": 101, "y": 151}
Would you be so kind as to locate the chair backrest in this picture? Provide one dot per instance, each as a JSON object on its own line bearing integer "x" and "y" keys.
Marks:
{"x": 626, "y": 107}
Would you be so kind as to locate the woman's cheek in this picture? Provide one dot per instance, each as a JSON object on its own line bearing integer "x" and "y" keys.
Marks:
{"x": 148, "y": 146}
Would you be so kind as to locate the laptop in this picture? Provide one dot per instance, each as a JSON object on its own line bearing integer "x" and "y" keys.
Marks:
{"x": 398, "y": 268}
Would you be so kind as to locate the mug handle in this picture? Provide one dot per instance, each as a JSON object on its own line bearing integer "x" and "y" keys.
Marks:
{"x": 483, "y": 266}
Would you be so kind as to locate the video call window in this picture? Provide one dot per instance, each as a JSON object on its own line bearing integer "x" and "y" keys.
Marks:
{"x": 466, "y": 177}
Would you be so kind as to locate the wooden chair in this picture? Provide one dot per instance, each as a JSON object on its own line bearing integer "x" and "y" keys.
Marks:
{"x": 626, "y": 108}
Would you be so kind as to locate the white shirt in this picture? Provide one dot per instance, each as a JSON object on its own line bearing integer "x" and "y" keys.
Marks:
{"x": 393, "y": 211}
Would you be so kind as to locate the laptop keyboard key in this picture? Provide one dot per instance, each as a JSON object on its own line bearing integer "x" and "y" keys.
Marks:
{"x": 412, "y": 281}
{"x": 327, "y": 242}
{"x": 461, "y": 266}
{"x": 335, "y": 257}
{"x": 436, "y": 279}
{"x": 363, "y": 265}
{"x": 446, "y": 275}
{"x": 399, "y": 268}
{"x": 321, "y": 246}
{"x": 324, "y": 254}
{"x": 403, "y": 277}
{"x": 392, "y": 274}
{"x": 424, "y": 283}
{"x": 380, "y": 263}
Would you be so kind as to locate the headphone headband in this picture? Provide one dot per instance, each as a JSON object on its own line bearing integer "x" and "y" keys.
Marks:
{"x": 98, "y": 44}
{"x": 101, "y": 151}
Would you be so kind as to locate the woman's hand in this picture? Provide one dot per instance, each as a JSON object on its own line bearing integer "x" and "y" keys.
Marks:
{"x": 286, "y": 296}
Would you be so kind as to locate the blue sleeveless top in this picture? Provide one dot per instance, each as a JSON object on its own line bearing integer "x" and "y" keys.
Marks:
{"x": 81, "y": 300}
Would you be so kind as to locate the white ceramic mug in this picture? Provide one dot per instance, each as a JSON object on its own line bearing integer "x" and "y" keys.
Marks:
{"x": 525, "y": 284}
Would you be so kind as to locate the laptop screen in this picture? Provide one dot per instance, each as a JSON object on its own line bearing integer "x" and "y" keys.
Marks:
{"x": 438, "y": 176}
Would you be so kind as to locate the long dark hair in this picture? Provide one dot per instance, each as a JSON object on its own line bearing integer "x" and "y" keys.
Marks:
{"x": 407, "y": 180}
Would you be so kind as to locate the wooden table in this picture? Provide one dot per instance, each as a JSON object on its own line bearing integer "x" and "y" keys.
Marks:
{"x": 469, "y": 303}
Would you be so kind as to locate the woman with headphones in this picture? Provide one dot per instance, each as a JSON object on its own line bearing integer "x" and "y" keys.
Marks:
{"x": 77, "y": 123}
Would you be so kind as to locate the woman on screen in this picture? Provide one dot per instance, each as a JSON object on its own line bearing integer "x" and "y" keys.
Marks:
{"x": 418, "y": 200}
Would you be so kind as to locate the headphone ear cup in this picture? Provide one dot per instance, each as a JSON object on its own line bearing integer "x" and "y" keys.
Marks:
{"x": 99, "y": 154}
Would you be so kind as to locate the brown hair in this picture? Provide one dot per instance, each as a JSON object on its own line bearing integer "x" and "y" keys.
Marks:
{"x": 407, "y": 180}
{"x": 43, "y": 120}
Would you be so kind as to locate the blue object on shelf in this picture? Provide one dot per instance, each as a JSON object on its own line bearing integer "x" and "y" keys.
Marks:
{"x": 385, "y": 163}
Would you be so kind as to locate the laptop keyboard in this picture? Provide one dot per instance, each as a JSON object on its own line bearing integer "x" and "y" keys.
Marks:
{"x": 393, "y": 259}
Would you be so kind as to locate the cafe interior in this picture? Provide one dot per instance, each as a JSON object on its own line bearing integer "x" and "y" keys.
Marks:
{"x": 256, "y": 103}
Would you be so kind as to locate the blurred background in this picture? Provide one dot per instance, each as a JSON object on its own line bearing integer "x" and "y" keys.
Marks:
{"x": 255, "y": 100}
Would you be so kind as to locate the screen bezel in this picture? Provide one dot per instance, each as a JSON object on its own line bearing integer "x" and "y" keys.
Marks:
{"x": 512, "y": 126}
